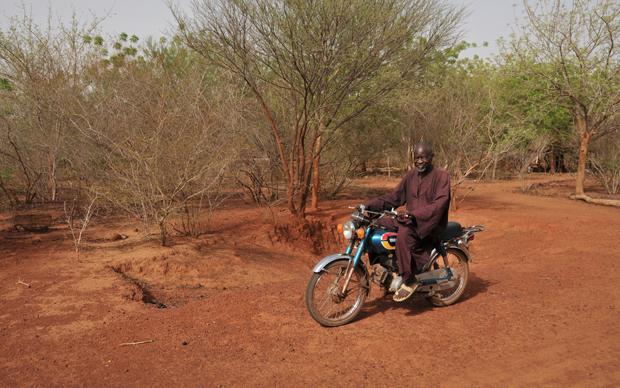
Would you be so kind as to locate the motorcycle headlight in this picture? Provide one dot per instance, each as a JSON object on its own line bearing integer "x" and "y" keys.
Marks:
{"x": 348, "y": 228}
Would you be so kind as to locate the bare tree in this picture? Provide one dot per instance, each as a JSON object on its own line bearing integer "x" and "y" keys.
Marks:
{"x": 314, "y": 65}
{"x": 19, "y": 177}
{"x": 42, "y": 68}
{"x": 78, "y": 216}
{"x": 160, "y": 133}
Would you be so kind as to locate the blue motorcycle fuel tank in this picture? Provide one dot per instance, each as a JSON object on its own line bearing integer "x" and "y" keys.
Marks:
{"x": 382, "y": 242}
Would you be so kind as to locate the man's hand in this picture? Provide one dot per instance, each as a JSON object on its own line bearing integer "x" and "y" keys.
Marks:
{"x": 404, "y": 217}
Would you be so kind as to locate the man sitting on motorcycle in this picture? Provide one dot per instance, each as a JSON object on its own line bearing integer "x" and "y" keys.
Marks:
{"x": 425, "y": 190}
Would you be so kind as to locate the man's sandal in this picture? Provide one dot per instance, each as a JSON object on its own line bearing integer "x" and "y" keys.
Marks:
{"x": 405, "y": 291}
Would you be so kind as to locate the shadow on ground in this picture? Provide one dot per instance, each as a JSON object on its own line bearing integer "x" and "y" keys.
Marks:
{"x": 418, "y": 305}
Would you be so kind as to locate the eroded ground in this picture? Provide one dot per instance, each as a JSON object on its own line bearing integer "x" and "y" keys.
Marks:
{"x": 227, "y": 309}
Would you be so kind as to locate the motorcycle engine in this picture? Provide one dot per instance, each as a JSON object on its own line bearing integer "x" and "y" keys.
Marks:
{"x": 388, "y": 262}
{"x": 385, "y": 273}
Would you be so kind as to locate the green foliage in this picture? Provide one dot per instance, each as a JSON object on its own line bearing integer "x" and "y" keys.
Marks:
{"x": 5, "y": 84}
{"x": 130, "y": 51}
{"x": 528, "y": 104}
{"x": 572, "y": 46}
{"x": 5, "y": 174}
{"x": 124, "y": 49}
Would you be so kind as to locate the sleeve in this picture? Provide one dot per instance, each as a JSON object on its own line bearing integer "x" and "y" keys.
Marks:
{"x": 429, "y": 216}
{"x": 393, "y": 199}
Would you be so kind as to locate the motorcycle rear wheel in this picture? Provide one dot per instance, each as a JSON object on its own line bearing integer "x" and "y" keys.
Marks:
{"x": 324, "y": 301}
{"x": 460, "y": 270}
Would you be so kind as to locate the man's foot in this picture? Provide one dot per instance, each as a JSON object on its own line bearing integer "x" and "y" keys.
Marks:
{"x": 405, "y": 291}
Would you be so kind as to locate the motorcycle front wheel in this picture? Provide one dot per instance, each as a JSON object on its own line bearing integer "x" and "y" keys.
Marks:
{"x": 460, "y": 270}
{"x": 326, "y": 302}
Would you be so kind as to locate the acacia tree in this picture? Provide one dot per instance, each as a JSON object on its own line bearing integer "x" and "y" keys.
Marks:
{"x": 314, "y": 65}
{"x": 573, "y": 47}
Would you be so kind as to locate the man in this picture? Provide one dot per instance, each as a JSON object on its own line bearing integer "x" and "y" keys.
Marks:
{"x": 426, "y": 191}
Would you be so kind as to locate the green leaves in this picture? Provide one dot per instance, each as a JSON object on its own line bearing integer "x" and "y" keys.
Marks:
{"x": 5, "y": 84}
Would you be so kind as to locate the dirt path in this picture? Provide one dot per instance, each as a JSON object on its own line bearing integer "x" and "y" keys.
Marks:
{"x": 542, "y": 308}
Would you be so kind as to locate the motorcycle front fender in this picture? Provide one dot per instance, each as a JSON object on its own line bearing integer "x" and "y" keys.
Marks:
{"x": 324, "y": 262}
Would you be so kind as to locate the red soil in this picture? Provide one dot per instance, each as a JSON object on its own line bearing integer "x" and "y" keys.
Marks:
{"x": 542, "y": 306}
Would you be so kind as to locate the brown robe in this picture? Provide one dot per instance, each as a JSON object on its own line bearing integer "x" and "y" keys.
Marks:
{"x": 427, "y": 196}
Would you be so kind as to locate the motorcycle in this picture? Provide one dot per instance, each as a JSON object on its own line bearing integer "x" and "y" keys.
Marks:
{"x": 340, "y": 283}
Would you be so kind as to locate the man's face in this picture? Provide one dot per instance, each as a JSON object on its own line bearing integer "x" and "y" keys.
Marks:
{"x": 422, "y": 158}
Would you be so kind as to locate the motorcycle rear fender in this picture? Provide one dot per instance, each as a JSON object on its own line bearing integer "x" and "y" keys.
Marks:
{"x": 463, "y": 248}
{"x": 459, "y": 247}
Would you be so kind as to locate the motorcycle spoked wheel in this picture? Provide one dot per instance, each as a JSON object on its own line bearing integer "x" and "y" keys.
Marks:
{"x": 460, "y": 269}
{"x": 324, "y": 301}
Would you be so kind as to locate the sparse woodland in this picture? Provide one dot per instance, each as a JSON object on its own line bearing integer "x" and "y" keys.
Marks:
{"x": 285, "y": 102}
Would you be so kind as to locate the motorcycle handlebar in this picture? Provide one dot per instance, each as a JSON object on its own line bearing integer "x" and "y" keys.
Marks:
{"x": 393, "y": 213}
{"x": 390, "y": 213}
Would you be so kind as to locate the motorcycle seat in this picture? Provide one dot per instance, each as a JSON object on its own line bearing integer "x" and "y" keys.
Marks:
{"x": 452, "y": 230}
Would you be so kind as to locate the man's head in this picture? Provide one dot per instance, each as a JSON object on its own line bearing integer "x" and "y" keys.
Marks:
{"x": 422, "y": 156}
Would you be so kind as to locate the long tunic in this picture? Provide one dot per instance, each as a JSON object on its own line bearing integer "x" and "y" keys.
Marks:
{"x": 427, "y": 196}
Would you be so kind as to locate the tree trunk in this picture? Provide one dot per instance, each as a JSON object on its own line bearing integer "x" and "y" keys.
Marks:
{"x": 494, "y": 170}
{"x": 286, "y": 164}
{"x": 453, "y": 204}
{"x": 410, "y": 161}
{"x": 51, "y": 183}
{"x": 552, "y": 161}
{"x": 291, "y": 199}
{"x": 163, "y": 234}
{"x": 53, "y": 162}
{"x": 314, "y": 198}
{"x": 304, "y": 190}
{"x": 584, "y": 142}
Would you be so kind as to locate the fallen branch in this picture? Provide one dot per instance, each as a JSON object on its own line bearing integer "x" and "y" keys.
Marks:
{"x": 137, "y": 343}
{"x": 597, "y": 201}
{"x": 23, "y": 283}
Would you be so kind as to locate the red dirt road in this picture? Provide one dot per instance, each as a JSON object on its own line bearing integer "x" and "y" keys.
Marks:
{"x": 542, "y": 307}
